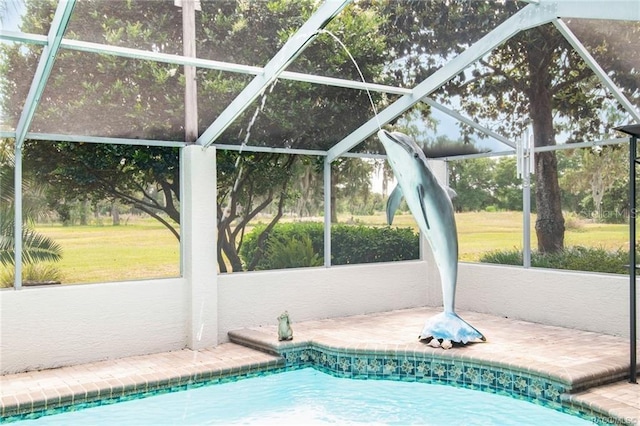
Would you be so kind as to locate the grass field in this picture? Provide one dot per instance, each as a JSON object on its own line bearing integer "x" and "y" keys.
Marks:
{"x": 480, "y": 232}
{"x": 140, "y": 249}
{"x": 143, "y": 248}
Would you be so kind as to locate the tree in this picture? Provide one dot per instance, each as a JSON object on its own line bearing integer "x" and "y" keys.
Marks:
{"x": 599, "y": 171}
{"x": 351, "y": 181}
{"x": 508, "y": 187}
{"x": 114, "y": 96}
{"x": 531, "y": 78}
{"x": 473, "y": 182}
{"x": 146, "y": 178}
{"x": 264, "y": 179}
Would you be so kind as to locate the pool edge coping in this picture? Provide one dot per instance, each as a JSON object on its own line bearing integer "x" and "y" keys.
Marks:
{"x": 283, "y": 354}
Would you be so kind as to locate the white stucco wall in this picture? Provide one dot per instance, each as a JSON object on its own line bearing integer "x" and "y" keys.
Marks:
{"x": 63, "y": 325}
{"x": 257, "y": 298}
{"x": 52, "y": 326}
{"x": 44, "y": 327}
{"x": 582, "y": 300}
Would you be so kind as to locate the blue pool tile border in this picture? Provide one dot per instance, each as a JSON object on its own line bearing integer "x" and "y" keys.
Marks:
{"x": 469, "y": 374}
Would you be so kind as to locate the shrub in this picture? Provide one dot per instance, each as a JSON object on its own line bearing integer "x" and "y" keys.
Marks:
{"x": 291, "y": 254}
{"x": 575, "y": 258}
{"x": 572, "y": 222}
{"x": 350, "y": 245}
{"x": 503, "y": 257}
{"x": 363, "y": 244}
{"x": 31, "y": 272}
{"x": 281, "y": 232}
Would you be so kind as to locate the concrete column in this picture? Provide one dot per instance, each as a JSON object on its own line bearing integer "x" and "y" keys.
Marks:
{"x": 198, "y": 238}
{"x": 191, "y": 87}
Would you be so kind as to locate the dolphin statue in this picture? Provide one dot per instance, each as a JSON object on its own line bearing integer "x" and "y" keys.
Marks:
{"x": 430, "y": 204}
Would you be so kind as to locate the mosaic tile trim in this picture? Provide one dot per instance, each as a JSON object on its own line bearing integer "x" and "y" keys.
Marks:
{"x": 90, "y": 396}
{"x": 432, "y": 370}
{"x": 446, "y": 371}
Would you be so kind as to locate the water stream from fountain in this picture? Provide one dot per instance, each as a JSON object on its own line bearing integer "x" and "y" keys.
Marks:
{"x": 260, "y": 108}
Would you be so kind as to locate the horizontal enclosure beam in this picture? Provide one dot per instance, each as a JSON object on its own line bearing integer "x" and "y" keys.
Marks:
{"x": 621, "y": 10}
{"x": 101, "y": 139}
{"x": 126, "y": 52}
{"x": 296, "y": 151}
{"x": 311, "y": 152}
{"x": 561, "y": 147}
{"x": 275, "y": 150}
{"x": 20, "y": 37}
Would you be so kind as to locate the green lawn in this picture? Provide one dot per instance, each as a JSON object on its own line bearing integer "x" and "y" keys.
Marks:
{"x": 138, "y": 250}
{"x": 480, "y": 232}
{"x": 143, "y": 248}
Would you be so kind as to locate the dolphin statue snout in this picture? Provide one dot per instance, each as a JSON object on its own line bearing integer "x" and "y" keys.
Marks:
{"x": 431, "y": 207}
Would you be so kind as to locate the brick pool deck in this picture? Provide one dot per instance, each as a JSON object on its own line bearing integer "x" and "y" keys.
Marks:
{"x": 592, "y": 367}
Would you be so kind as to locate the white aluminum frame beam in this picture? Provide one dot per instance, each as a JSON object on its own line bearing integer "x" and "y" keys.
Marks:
{"x": 620, "y": 10}
{"x": 326, "y": 180}
{"x": 560, "y": 147}
{"x": 103, "y": 140}
{"x": 468, "y": 121}
{"x": 20, "y": 37}
{"x": 45, "y": 65}
{"x": 528, "y": 17}
{"x": 597, "y": 69}
{"x": 287, "y": 54}
{"x": 126, "y": 52}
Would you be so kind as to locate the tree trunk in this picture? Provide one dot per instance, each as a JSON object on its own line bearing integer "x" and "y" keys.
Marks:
{"x": 228, "y": 247}
{"x": 549, "y": 223}
{"x": 115, "y": 214}
{"x": 84, "y": 212}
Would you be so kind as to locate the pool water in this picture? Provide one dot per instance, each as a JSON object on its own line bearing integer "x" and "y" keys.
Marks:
{"x": 309, "y": 396}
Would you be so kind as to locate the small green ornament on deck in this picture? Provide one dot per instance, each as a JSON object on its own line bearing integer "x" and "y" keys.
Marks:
{"x": 285, "y": 332}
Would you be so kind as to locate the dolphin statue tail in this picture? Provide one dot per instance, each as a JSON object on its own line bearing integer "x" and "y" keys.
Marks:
{"x": 448, "y": 326}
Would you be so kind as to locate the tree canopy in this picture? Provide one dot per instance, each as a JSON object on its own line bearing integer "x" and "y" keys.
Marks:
{"x": 536, "y": 78}
{"x": 120, "y": 97}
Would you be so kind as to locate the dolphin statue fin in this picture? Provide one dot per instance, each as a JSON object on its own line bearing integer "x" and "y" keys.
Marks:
{"x": 393, "y": 203}
{"x": 449, "y": 326}
{"x": 421, "y": 197}
{"x": 451, "y": 193}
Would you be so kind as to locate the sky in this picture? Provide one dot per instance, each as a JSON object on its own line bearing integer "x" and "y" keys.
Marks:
{"x": 10, "y": 14}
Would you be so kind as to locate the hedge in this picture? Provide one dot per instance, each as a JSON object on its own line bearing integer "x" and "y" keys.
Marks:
{"x": 302, "y": 244}
{"x": 575, "y": 258}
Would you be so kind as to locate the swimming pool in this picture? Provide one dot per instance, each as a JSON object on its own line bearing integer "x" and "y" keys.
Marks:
{"x": 308, "y": 396}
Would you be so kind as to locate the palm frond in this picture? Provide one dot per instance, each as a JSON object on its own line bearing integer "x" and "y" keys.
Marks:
{"x": 39, "y": 248}
{"x": 35, "y": 247}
